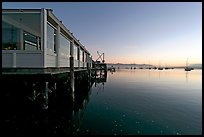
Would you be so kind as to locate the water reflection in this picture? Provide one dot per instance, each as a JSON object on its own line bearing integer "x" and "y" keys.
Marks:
{"x": 26, "y": 101}
{"x": 186, "y": 76}
{"x": 147, "y": 102}
{"x": 130, "y": 102}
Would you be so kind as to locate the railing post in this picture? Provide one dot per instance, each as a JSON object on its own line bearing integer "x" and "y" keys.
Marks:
{"x": 14, "y": 60}
{"x": 44, "y": 35}
{"x": 58, "y": 45}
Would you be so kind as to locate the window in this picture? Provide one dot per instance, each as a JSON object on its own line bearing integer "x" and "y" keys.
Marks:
{"x": 30, "y": 41}
{"x": 51, "y": 38}
{"x": 75, "y": 52}
{"x": 84, "y": 56}
{"x": 81, "y": 55}
{"x": 10, "y": 39}
{"x": 13, "y": 25}
{"x": 65, "y": 46}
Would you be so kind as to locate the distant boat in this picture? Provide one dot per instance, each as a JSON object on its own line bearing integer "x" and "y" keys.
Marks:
{"x": 160, "y": 68}
{"x": 112, "y": 69}
{"x": 187, "y": 68}
{"x": 154, "y": 68}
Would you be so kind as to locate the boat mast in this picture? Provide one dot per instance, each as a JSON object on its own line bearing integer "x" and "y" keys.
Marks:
{"x": 187, "y": 62}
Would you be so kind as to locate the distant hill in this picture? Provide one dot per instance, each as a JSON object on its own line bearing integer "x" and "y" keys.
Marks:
{"x": 196, "y": 65}
{"x": 120, "y": 65}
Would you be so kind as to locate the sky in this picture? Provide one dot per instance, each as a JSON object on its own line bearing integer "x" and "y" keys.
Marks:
{"x": 157, "y": 33}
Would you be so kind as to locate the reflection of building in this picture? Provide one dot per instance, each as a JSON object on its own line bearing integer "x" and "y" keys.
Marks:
{"x": 35, "y": 38}
{"x": 24, "y": 114}
{"x": 101, "y": 78}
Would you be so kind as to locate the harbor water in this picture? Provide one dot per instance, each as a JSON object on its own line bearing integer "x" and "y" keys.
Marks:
{"x": 128, "y": 102}
{"x": 167, "y": 102}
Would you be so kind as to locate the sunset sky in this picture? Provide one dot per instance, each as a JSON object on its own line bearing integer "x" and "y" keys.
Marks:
{"x": 132, "y": 32}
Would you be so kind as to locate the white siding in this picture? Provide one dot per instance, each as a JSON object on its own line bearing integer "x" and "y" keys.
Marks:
{"x": 33, "y": 60}
{"x": 64, "y": 62}
{"x": 81, "y": 64}
{"x": 24, "y": 59}
{"x": 76, "y": 63}
{"x": 7, "y": 60}
{"x": 51, "y": 59}
{"x": 85, "y": 64}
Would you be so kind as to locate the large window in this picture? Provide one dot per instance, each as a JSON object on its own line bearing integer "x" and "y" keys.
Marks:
{"x": 75, "y": 52}
{"x": 51, "y": 38}
{"x": 65, "y": 46}
{"x": 31, "y": 42}
{"x": 14, "y": 25}
{"x": 10, "y": 39}
{"x": 85, "y": 56}
{"x": 81, "y": 55}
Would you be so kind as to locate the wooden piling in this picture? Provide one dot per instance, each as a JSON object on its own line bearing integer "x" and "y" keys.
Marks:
{"x": 72, "y": 68}
{"x": 45, "y": 96}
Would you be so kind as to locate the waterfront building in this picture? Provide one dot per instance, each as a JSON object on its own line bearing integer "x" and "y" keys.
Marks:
{"x": 36, "y": 38}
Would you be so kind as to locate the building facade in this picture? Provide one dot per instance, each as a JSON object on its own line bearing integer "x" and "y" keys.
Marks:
{"x": 35, "y": 38}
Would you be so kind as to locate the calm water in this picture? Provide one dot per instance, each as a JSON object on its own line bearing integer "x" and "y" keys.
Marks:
{"x": 146, "y": 102}
{"x": 130, "y": 102}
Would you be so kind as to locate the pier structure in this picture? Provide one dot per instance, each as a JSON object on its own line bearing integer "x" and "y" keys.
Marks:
{"x": 37, "y": 45}
{"x": 100, "y": 69}
{"x": 99, "y": 66}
